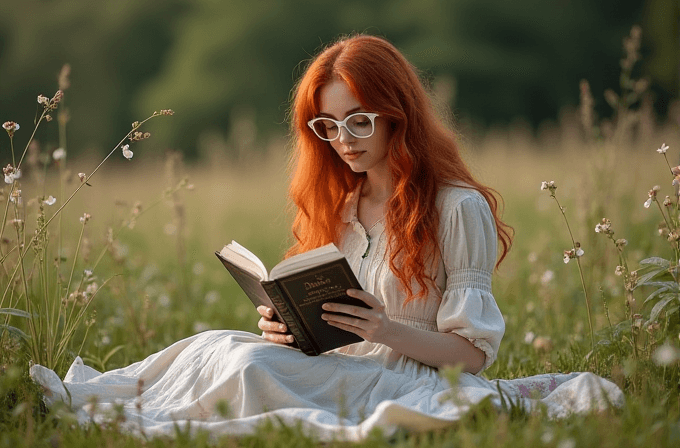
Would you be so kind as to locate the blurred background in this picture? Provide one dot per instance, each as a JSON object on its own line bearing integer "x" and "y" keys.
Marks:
{"x": 227, "y": 67}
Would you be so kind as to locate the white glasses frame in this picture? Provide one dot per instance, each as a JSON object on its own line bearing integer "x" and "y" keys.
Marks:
{"x": 343, "y": 124}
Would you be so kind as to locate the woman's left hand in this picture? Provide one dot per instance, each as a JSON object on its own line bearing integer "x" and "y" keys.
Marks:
{"x": 372, "y": 324}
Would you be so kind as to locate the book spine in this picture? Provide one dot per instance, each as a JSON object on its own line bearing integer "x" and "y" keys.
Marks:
{"x": 289, "y": 318}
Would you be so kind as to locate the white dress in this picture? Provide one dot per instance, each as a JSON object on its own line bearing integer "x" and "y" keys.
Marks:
{"x": 344, "y": 394}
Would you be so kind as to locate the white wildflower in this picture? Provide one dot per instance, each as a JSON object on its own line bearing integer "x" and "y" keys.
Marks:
{"x": 547, "y": 277}
{"x": 85, "y": 218}
{"x": 666, "y": 355}
{"x": 42, "y": 99}
{"x": 663, "y": 149}
{"x": 59, "y": 154}
{"x": 579, "y": 252}
{"x": 50, "y": 200}
{"x": 126, "y": 152}
{"x": 647, "y": 203}
{"x": 529, "y": 337}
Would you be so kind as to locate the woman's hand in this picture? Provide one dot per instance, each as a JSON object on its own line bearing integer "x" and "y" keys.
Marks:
{"x": 372, "y": 324}
{"x": 271, "y": 330}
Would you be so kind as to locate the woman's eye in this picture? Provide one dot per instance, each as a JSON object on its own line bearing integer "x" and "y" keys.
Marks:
{"x": 331, "y": 127}
{"x": 362, "y": 123}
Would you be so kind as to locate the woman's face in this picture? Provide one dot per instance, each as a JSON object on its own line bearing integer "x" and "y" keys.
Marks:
{"x": 361, "y": 154}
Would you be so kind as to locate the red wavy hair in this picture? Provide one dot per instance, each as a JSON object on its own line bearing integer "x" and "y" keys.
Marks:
{"x": 422, "y": 156}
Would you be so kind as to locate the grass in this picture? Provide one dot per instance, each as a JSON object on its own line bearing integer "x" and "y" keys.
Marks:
{"x": 147, "y": 299}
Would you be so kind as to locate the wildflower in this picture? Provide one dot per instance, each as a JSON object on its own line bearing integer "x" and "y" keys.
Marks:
{"x": 542, "y": 344}
{"x": 54, "y": 102}
{"x": 621, "y": 243}
{"x": 667, "y": 201}
{"x": 126, "y": 152}
{"x": 663, "y": 149}
{"x": 85, "y": 218}
{"x": 167, "y": 112}
{"x": 675, "y": 170}
{"x": 529, "y": 337}
{"x": 547, "y": 277}
{"x": 50, "y": 200}
{"x": 666, "y": 355}
{"x": 91, "y": 289}
{"x": 573, "y": 253}
{"x": 59, "y": 154}
{"x": 549, "y": 186}
{"x": 135, "y": 124}
{"x": 16, "y": 196}
{"x": 48, "y": 117}
{"x": 11, "y": 127}
{"x": 673, "y": 236}
{"x": 87, "y": 273}
{"x": 137, "y": 136}
{"x": 652, "y": 195}
{"x": 42, "y": 99}
{"x": 11, "y": 174}
{"x": 619, "y": 270}
{"x": 604, "y": 227}
{"x": 82, "y": 177}
{"x": 637, "y": 320}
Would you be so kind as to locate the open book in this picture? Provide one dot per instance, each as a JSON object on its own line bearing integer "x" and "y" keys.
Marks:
{"x": 295, "y": 289}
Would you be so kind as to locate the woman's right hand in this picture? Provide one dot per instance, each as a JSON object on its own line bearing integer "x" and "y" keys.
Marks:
{"x": 272, "y": 330}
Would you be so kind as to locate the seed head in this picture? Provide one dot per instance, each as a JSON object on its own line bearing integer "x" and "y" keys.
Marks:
{"x": 167, "y": 112}
{"x": 42, "y": 99}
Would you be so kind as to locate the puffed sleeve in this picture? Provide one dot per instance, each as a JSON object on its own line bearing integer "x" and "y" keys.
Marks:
{"x": 467, "y": 238}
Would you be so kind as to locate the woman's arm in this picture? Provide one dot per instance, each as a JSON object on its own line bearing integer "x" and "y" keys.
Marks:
{"x": 429, "y": 347}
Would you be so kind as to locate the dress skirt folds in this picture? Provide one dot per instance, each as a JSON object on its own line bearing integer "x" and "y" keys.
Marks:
{"x": 344, "y": 394}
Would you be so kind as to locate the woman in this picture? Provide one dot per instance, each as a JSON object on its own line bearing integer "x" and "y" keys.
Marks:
{"x": 378, "y": 174}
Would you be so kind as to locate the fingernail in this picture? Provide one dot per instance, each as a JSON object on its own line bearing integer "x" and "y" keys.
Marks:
{"x": 324, "y": 316}
{"x": 282, "y": 327}
{"x": 325, "y": 306}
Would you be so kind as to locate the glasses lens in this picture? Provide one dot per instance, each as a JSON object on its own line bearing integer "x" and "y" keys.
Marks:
{"x": 326, "y": 129}
{"x": 360, "y": 125}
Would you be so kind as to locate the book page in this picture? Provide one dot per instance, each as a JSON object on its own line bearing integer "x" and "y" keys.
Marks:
{"x": 244, "y": 258}
{"x": 301, "y": 262}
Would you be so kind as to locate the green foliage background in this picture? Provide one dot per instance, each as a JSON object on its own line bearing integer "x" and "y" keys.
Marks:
{"x": 228, "y": 66}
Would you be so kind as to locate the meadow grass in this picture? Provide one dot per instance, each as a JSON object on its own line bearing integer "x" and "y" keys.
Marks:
{"x": 158, "y": 300}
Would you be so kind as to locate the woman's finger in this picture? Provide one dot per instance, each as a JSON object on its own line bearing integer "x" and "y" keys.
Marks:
{"x": 366, "y": 297}
{"x": 353, "y": 310}
{"x": 278, "y": 338}
{"x": 265, "y": 311}
{"x": 265, "y": 324}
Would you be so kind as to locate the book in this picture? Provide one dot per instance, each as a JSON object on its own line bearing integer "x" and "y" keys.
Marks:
{"x": 295, "y": 289}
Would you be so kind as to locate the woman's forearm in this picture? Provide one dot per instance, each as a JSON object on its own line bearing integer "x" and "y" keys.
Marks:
{"x": 433, "y": 348}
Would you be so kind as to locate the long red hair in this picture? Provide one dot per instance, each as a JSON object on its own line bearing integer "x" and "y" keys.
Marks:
{"x": 422, "y": 156}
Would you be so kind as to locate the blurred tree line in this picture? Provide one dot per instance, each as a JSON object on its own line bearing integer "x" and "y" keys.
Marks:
{"x": 227, "y": 66}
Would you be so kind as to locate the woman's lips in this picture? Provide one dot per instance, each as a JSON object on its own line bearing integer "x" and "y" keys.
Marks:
{"x": 353, "y": 155}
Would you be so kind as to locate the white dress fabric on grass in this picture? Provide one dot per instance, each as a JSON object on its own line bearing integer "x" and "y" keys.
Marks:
{"x": 344, "y": 394}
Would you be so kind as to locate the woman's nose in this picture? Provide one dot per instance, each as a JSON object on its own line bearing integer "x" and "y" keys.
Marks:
{"x": 345, "y": 135}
